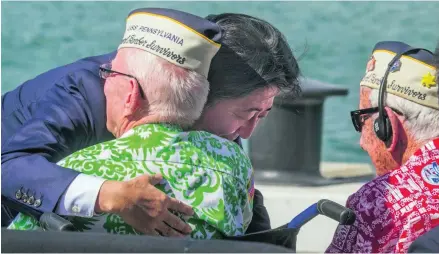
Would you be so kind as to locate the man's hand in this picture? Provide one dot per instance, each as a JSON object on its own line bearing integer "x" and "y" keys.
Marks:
{"x": 143, "y": 206}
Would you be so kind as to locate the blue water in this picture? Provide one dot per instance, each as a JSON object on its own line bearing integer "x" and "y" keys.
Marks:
{"x": 38, "y": 36}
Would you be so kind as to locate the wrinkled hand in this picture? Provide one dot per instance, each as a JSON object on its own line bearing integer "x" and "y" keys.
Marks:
{"x": 143, "y": 206}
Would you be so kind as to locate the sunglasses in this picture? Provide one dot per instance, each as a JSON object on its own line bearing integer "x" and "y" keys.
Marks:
{"x": 105, "y": 72}
{"x": 360, "y": 116}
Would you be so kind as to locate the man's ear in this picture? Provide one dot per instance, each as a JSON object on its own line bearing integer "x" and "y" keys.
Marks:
{"x": 396, "y": 126}
{"x": 133, "y": 100}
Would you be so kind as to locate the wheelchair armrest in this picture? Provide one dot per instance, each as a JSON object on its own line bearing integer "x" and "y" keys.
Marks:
{"x": 281, "y": 236}
{"x": 48, "y": 221}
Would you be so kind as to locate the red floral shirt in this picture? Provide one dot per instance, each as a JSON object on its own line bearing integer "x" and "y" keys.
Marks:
{"x": 394, "y": 209}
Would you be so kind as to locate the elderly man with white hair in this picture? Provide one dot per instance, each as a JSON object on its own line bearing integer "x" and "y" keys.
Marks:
{"x": 429, "y": 242}
{"x": 399, "y": 124}
{"x": 211, "y": 174}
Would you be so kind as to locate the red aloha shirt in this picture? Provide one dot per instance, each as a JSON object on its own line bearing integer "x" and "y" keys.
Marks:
{"x": 394, "y": 209}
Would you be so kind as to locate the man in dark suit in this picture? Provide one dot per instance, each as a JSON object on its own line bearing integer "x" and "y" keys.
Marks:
{"x": 63, "y": 110}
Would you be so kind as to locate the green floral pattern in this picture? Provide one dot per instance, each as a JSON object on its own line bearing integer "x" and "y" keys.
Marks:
{"x": 210, "y": 173}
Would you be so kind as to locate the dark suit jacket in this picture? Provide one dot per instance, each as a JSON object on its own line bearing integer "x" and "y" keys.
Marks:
{"x": 50, "y": 117}
{"x": 426, "y": 243}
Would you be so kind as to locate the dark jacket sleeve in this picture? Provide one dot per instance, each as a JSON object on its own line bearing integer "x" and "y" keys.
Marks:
{"x": 426, "y": 243}
{"x": 61, "y": 123}
{"x": 260, "y": 220}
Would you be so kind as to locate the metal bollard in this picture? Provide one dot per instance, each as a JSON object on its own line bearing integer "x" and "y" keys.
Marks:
{"x": 286, "y": 147}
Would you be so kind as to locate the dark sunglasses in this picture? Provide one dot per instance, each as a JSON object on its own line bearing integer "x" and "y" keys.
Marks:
{"x": 105, "y": 71}
{"x": 361, "y": 115}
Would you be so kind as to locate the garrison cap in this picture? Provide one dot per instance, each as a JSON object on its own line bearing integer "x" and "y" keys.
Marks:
{"x": 181, "y": 38}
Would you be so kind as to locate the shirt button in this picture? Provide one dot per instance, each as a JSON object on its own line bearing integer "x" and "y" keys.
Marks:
{"x": 24, "y": 197}
{"x": 31, "y": 200}
{"x": 37, "y": 203}
{"x": 18, "y": 194}
{"x": 76, "y": 209}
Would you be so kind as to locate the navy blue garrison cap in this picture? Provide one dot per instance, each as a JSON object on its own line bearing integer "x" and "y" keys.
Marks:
{"x": 181, "y": 38}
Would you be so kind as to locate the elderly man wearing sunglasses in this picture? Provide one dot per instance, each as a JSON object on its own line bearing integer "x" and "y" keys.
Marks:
{"x": 399, "y": 124}
{"x": 429, "y": 242}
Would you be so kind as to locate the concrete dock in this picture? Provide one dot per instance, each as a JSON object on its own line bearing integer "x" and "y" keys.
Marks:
{"x": 284, "y": 202}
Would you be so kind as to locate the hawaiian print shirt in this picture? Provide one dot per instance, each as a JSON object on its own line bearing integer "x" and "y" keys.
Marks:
{"x": 394, "y": 209}
{"x": 210, "y": 173}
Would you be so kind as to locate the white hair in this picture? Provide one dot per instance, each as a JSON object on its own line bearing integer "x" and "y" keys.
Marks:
{"x": 175, "y": 94}
{"x": 422, "y": 122}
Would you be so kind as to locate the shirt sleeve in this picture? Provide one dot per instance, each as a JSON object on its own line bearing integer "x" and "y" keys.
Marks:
{"x": 80, "y": 197}
{"x": 61, "y": 123}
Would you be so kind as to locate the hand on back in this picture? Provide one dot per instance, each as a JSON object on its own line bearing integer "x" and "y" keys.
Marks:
{"x": 143, "y": 206}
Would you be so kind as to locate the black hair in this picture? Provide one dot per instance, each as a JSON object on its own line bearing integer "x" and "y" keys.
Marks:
{"x": 254, "y": 54}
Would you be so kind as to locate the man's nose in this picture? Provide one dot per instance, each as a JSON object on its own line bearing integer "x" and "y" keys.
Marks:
{"x": 246, "y": 131}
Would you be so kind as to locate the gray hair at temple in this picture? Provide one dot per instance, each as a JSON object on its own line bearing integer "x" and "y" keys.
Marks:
{"x": 421, "y": 121}
{"x": 254, "y": 54}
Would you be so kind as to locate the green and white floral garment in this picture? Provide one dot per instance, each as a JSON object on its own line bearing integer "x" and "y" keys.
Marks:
{"x": 212, "y": 174}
